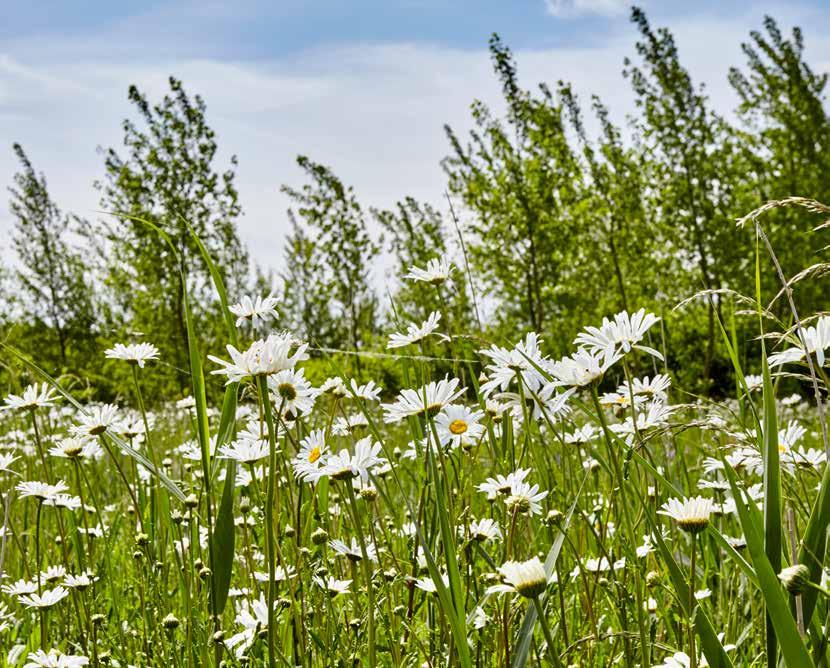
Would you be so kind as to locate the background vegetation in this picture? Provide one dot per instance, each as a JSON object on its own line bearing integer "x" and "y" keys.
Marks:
{"x": 560, "y": 226}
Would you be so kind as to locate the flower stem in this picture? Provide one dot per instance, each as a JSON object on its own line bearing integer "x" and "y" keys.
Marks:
{"x": 269, "y": 514}
{"x": 367, "y": 575}
{"x": 692, "y": 649}
{"x": 543, "y": 620}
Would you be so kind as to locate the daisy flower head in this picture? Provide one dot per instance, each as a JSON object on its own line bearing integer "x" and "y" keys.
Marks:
{"x": 352, "y": 550}
{"x": 245, "y": 450}
{"x": 521, "y": 363}
{"x": 815, "y": 339}
{"x": 263, "y": 357}
{"x": 133, "y": 353}
{"x": 414, "y": 333}
{"x": 6, "y": 460}
{"x": 502, "y": 484}
{"x": 334, "y": 386}
{"x": 249, "y": 309}
{"x": 429, "y": 399}
{"x": 582, "y": 368}
{"x": 691, "y": 514}
{"x": 96, "y": 421}
{"x": 526, "y": 578}
{"x": 292, "y": 392}
{"x": 655, "y": 388}
{"x": 484, "y": 530}
{"x": 525, "y": 498}
{"x": 309, "y": 462}
{"x": 332, "y": 585}
{"x": 345, "y": 466}
{"x": 437, "y": 271}
{"x": 33, "y": 397}
{"x": 368, "y": 392}
{"x": 620, "y": 335}
{"x": 76, "y": 447}
{"x": 459, "y": 426}
{"x": 41, "y": 490}
{"x": 55, "y": 659}
{"x": 47, "y": 599}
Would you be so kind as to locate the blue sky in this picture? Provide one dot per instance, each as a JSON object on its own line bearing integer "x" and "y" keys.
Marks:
{"x": 364, "y": 86}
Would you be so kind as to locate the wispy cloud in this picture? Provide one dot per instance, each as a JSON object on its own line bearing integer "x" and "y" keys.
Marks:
{"x": 570, "y": 8}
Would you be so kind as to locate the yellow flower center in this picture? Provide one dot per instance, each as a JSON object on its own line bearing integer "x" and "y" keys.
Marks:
{"x": 314, "y": 455}
{"x": 458, "y": 427}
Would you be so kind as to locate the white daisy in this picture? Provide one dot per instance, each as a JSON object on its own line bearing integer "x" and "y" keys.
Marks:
{"x": 263, "y": 358}
{"x": 526, "y": 578}
{"x": 414, "y": 333}
{"x": 437, "y": 271}
{"x": 251, "y": 310}
{"x": 133, "y": 353}
{"x": 691, "y": 514}
{"x": 34, "y": 396}
{"x": 430, "y": 398}
{"x": 459, "y": 425}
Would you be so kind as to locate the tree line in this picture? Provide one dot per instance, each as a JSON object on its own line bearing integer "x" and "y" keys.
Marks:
{"x": 551, "y": 226}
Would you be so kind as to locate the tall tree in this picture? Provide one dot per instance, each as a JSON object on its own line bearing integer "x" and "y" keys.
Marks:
{"x": 168, "y": 176}
{"x": 51, "y": 276}
{"x": 691, "y": 185}
{"x": 332, "y": 250}
{"x": 613, "y": 209}
{"x": 785, "y": 142}
{"x": 519, "y": 178}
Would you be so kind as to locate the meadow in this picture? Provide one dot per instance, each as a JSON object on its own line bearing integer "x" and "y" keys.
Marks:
{"x": 506, "y": 508}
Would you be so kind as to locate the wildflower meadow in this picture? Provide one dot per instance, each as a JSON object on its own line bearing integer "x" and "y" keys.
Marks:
{"x": 521, "y": 448}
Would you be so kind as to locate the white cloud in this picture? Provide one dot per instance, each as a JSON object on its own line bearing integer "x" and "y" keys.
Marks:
{"x": 375, "y": 113}
{"x": 568, "y": 8}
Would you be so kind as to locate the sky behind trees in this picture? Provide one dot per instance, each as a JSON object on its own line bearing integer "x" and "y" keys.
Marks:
{"x": 363, "y": 87}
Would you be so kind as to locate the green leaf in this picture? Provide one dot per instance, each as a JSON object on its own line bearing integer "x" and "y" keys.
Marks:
{"x": 224, "y": 536}
{"x": 789, "y": 639}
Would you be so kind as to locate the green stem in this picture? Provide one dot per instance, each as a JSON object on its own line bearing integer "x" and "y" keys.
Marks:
{"x": 262, "y": 383}
{"x": 367, "y": 575}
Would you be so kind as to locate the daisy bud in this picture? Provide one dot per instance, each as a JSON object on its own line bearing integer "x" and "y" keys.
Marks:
{"x": 219, "y": 637}
{"x": 170, "y": 622}
{"x": 205, "y": 573}
{"x": 98, "y": 619}
{"x": 368, "y": 493}
{"x": 244, "y": 505}
{"x": 795, "y": 578}
{"x": 137, "y": 555}
{"x": 198, "y": 564}
{"x": 191, "y": 501}
{"x": 399, "y": 610}
{"x": 652, "y": 579}
{"x": 319, "y": 536}
{"x": 553, "y": 518}
{"x": 167, "y": 462}
{"x": 142, "y": 539}
{"x": 288, "y": 530}
{"x": 176, "y": 517}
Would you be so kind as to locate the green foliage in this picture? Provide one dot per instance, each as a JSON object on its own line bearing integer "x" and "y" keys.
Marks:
{"x": 51, "y": 280}
{"x": 329, "y": 257}
{"x": 168, "y": 177}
